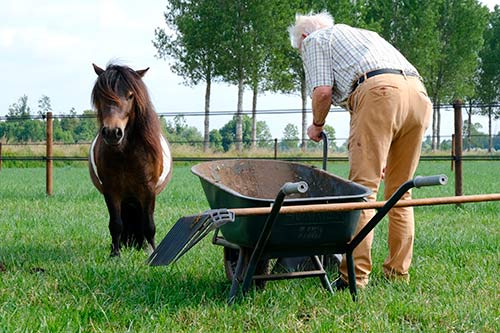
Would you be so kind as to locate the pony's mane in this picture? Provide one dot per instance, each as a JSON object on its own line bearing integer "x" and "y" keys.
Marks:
{"x": 118, "y": 80}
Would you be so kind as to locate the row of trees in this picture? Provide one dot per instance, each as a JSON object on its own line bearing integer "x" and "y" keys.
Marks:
{"x": 21, "y": 126}
{"x": 453, "y": 43}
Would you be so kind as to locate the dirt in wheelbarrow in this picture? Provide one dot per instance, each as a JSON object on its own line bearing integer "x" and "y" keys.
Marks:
{"x": 258, "y": 179}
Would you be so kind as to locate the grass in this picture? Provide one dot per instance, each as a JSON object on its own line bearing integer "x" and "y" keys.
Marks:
{"x": 57, "y": 276}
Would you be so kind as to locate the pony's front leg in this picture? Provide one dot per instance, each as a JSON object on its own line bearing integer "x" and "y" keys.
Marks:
{"x": 148, "y": 220}
{"x": 115, "y": 223}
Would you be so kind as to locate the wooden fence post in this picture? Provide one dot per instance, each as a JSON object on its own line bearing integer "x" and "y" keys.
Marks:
{"x": 48, "y": 165}
{"x": 457, "y": 106}
{"x": 452, "y": 152}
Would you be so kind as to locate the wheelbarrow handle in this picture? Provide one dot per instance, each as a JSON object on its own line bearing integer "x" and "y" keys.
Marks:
{"x": 420, "y": 181}
{"x": 415, "y": 182}
{"x": 291, "y": 188}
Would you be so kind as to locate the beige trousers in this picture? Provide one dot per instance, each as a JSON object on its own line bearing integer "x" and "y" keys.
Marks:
{"x": 389, "y": 115}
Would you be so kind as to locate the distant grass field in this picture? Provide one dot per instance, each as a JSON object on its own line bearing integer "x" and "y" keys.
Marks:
{"x": 56, "y": 276}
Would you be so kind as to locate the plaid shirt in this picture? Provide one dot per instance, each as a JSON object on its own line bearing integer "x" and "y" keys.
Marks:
{"x": 339, "y": 55}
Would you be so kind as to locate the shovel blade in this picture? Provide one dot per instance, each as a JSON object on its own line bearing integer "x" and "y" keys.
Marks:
{"x": 186, "y": 233}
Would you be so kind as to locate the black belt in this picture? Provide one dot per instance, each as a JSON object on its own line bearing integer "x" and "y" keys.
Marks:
{"x": 368, "y": 75}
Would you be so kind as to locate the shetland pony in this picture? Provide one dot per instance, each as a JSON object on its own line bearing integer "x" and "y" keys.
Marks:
{"x": 129, "y": 159}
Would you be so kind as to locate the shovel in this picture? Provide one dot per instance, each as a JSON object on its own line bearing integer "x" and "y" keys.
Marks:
{"x": 186, "y": 233}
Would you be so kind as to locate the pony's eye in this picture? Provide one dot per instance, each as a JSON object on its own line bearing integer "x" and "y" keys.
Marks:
{"x": 130, "y": 96}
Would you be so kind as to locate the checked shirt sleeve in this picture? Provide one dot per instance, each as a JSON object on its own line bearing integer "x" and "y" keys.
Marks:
{"x": 318, "y": 65}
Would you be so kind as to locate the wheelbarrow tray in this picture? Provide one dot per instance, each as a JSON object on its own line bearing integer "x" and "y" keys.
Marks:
{"x": 254, "y": 183}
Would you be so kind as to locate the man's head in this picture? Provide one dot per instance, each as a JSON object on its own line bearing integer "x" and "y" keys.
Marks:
{"x": 306, "y": 24}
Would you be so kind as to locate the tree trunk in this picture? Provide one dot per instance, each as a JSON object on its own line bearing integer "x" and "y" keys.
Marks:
{"x": 469, "y": 125}
{"x": 206, "y": 129}
{"x": 434, "y": 121}
{"x": 303, "y": 94}
{"x": 490, "y": 137}
{"x": 239, "y": 112}
{"x": 438, "y": 128}
{"x": 254, "y": 116}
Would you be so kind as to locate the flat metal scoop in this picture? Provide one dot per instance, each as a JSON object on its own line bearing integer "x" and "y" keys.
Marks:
{"x": 186, "y": 233}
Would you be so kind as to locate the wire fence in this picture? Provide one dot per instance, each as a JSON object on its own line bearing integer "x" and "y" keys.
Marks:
{"x": 213, "y": 113}
{"x": 29, "y": 148}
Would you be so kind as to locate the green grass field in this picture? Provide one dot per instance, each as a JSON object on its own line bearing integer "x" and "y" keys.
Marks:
{"x": 56, "y": 276}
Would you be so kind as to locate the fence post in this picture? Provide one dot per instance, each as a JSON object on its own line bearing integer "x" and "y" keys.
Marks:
{"x": 48, "y": 165}
{"x": 0, "y": 156}
{"x": 452, "y": 152}
{"x": 457, "y": 106}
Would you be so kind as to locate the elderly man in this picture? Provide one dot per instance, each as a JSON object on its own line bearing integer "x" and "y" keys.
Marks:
{"x": 390, "y": 111}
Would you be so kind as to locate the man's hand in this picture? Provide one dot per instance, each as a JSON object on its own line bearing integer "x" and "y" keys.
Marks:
{"x": 314, "y": 132}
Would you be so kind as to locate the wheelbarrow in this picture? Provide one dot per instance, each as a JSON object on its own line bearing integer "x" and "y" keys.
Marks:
{"x": 258, "y": 238}
{"x": 251, "y": 240}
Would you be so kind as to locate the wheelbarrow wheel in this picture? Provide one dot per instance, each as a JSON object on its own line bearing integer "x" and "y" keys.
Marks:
{"x": 231, "y": 259}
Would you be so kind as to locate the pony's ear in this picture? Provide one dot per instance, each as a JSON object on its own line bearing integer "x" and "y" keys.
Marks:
{"x": 141, "y": 72}
{"x": 98, "y": 70}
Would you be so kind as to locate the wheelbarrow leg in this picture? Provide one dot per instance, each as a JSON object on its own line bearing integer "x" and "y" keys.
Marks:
{"x": 258, "y": 252}
{"x": 236, "y": 277}
{"x": 324, "y": 278}
{"x": 250, "y": 270}
{"x": 351, "y": 274}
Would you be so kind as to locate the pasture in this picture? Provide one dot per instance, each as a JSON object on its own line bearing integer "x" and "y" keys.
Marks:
{"x": 56, "y": 273}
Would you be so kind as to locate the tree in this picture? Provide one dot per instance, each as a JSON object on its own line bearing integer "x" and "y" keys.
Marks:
{"x": 290, "y": 137}
{"x": 87, "y": 126}
{"x": 286, "y": 72}
{"x": 468, "y": 125}
{"x": 489, "y": 78}
{"x": 69, "y": 124}
{"x": 216, "y": 140}
{"x": 441, "y": 38}
{"x": 263, "y": 135}
{"x": 496, "y": 141}
{"x": 178, "y": 131}
{"x": 330, "y": 134}
{"x": 192, "y": 42}
{"x": 246, "y": 25}
{"x": 19, "y": 126}
{"x": 20, "y": 109}
{"x": 476, "y": 137}
{"x": 460, "y": 26}
{"x": 409, "y": 26}
{"x": 44, "y": 105}
{"x": 229, "y": 138}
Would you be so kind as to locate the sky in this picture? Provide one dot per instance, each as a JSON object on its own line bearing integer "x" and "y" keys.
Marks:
{"x": 48, "y": 47}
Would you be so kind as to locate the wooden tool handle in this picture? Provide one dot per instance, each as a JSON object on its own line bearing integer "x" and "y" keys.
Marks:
{"x": 338, "y": 207}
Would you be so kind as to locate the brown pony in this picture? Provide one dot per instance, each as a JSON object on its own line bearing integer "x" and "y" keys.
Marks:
{"x": 129, "y": 160}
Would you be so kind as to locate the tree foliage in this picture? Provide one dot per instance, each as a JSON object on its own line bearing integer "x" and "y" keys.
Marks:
{"x": 192, "y": 42}
{"x": 228, "y": 138}
{"x": 488, "y": 85}
{"x": 178, "y": 131}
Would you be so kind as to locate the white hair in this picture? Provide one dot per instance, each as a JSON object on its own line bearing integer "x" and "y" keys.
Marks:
{"x": 306, "y": 24}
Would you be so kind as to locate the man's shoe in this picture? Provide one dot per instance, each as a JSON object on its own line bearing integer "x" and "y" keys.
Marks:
{"x": 340, "y": 284}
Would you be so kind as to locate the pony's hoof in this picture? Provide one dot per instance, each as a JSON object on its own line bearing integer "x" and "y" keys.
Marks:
{"x": 150, "y": 249}
{"x": 114, "y": 253}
